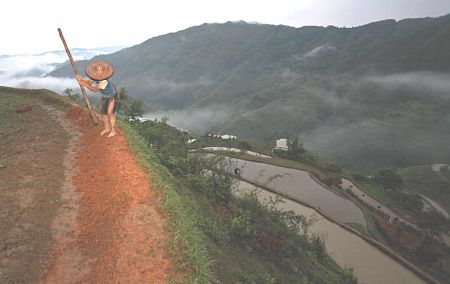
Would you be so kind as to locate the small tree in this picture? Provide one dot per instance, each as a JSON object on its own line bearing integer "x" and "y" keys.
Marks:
{"x": 73, "y": 96}
{"x": 244, "y": 145}
{"x": 435, "y": 222}
{"x": 332, "y": 167}
{"x": 295, "y": 149}
{"x": 123, "y": 93}
{"x": 132, "y": 109}
{"x": 388, "y": 178}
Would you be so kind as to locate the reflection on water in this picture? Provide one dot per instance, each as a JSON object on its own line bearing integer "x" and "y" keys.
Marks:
{"x": 369, "y": 264}
{"x": 300, "y": 185}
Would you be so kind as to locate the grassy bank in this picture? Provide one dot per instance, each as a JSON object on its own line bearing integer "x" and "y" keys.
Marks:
{"x": 187, "y": 243}
{"x": 245, "y": 241}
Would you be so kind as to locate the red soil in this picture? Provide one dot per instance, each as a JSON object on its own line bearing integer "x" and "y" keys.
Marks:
{"x": 399, "y": 235}
{"x": 118, "y": 234}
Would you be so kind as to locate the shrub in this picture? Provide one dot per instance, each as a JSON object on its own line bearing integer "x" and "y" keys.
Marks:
{"x": 388, "y": 178}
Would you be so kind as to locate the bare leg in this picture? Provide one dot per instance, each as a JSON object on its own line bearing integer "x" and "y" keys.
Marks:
{"x": 112, "y": 118}
{"x": 107, "y": 127}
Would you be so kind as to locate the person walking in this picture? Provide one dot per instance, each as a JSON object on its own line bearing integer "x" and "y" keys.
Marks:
{"x": 100, "y": 73}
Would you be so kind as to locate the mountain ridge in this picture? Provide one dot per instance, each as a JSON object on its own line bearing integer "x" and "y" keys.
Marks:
{"x": 302, "y": 80}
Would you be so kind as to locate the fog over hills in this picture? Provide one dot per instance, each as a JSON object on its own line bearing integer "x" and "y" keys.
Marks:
{"x": 367, "y": 97}
{"x": 31, "y": 70}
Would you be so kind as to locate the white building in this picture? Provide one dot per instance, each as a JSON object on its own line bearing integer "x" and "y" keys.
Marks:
{"x": 282, "y": 144}
{"x": 228, "y": 137}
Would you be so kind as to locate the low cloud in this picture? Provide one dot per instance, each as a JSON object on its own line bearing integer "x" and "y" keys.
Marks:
{"x": 30, "y": 70}
{"x": 419, "y": 81}
{"x": 289, "y": 74}
{"x": 320, "y": 50}
{"x": 164, "y": 85}
{"x": 54, "y": 84}
{"x": 197, "y": 120}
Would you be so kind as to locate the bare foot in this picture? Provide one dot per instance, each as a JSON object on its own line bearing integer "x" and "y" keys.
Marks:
{"x": 104, "y": 132}
{"x": 112, "y": 133}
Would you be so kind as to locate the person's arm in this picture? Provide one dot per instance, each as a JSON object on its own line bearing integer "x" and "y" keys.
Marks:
{"x": 87, "y": 84}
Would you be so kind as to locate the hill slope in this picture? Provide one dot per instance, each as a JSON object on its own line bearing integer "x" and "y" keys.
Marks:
{"x": 433, "y": 182}
{"x": 84, "y": 209}
{"x": 357, "y": 95}
{"x": 76, "y": 207}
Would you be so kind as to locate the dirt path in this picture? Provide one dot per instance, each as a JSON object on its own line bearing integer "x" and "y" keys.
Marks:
{"x": 113, "y": 231}
{"x": 75, "y": 207}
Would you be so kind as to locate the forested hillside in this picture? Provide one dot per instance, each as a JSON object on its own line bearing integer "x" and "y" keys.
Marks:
{"x": 368, "y": 97}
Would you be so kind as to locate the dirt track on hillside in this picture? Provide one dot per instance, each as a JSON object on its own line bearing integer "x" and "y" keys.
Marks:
{"x": 100, "y": 221}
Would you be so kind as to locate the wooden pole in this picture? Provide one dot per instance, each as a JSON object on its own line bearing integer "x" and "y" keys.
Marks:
{"x": 75, "y": 70}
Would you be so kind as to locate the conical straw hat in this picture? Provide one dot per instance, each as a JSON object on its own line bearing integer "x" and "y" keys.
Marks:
{"x": 99, "y": 70}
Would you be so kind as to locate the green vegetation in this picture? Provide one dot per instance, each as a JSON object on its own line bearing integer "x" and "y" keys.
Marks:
{"x": 388, "y": 178}
{"x": 423, "y": 180}
{"x": 240, "y": 238}
{"x": 433, "y": 184}
{"x": 186, "y": 236}
{"x": 389, "y": 188}
{"x": 231, "y": 239}
{"x": 430, "y": 255}
{"x": 360, "y": 228}
{"x": 130, "y": 108}
{"x": 76, "y": 97}
{"x": 398, "y": 199}
{"x": 376, "y": 191}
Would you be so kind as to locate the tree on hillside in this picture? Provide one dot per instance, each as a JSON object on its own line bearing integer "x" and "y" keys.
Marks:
{"x": 295, "y": 149}
{"x": 388, "y": 178}
{"x": 434, "y": 221}
{"x": 244, "y": 145}
{"x": 132, "y": 109}
{"x": 73, "y": 96}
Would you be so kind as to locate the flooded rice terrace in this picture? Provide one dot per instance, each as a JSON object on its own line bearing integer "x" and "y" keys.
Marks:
{"x": 300, "y": 185}
{"x": 369, "y": 264}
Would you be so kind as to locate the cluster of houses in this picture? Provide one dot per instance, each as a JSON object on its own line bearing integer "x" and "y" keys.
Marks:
{"x": 281, "y": 144}
{"x": 223, "y": 137}
{"x": 219, "y": 136}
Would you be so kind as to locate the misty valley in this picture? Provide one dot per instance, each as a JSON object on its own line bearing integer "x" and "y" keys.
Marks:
{"x": 322, "y": 146}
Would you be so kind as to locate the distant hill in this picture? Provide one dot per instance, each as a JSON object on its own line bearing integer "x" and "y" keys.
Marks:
{"x": 368, "y": 97}
{"x": 432, "y": 181}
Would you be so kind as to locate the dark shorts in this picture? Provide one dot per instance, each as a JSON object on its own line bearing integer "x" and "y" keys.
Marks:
{"x": 104, "y": 103}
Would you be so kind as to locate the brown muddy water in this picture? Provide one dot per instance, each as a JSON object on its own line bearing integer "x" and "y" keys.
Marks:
{"x": 369, "y": 264}
{"x": 300, "y": 185}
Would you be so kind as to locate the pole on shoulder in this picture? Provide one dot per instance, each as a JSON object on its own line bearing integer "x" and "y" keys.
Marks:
{"x": 75, "y": 70}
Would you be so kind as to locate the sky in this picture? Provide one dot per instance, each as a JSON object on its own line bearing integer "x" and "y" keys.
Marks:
{"x": 30, "y": 26}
